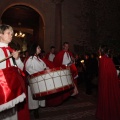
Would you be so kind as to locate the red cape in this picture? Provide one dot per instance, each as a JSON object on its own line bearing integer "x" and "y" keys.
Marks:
{"x": 108, "y": 107}
{"x": 59, "y": 58}
{"x": 48, "y": 63}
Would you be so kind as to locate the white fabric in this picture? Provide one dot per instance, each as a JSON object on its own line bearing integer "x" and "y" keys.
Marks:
{"x": 118, "y": 72}
{"x": 66, "y": 59}
{"x": 2, "y": 56}
{"x": 34, "y": 65}
{"x": 32, "y": 104}
{"x": 12, "y": 103}
{"x": 51, "y": 57}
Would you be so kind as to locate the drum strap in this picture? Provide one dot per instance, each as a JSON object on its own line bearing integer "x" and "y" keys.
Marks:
{"x": 8, "y": 64}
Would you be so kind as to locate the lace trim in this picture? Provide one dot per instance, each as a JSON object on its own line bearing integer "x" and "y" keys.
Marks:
{"x": 13, "y": 102}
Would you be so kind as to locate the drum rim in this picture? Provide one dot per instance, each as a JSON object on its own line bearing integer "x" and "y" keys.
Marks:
{"x": 46, "y": 71}
{"x": 54, "y": 91}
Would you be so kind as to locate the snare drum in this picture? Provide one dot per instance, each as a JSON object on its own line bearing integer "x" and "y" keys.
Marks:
{"x": 50, "y": 81}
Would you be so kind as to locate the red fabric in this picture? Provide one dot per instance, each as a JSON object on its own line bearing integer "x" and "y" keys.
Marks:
{"x": 73, "y": 70}
{"x": 23, "y": 107}
{"x": 58, "y": 98}
{"x": 58, "y": 62}
{"x": 59, "y": 58}
{"x": 23, "y": 111}
{"x": 48, "y": 63}
{"x": 6, "y": 54}
{"x": 108, "y": 107}
{"x": 47, "y": 55}
{"x": 11, "y": 84}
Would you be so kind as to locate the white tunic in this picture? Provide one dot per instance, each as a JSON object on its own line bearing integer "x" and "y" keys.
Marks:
{"x": 51, "y": 57}
{"x": 21, "y": 97}
{"x": 2, "y": 56}
{"x": 66, "y": 59}
{"x": 34, "y": 65}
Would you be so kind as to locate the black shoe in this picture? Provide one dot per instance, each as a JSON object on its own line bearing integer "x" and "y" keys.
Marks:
{"x": 36, "y": 113}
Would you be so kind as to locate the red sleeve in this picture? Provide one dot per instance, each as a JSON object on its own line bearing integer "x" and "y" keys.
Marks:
{"x": 48, "y": 63}
{"x": 47, "y": 55}
{"x": 70, "y": 53}
{"x": 58, "y": 59}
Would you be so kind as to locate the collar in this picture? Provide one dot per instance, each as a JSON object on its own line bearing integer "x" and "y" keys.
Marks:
{"x": 3, "y": 44}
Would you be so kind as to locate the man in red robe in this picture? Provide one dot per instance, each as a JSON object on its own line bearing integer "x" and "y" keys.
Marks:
{"x": 66, "y": 58}
{"x": 62, "y": 59}
{"x": 108, "y": 107}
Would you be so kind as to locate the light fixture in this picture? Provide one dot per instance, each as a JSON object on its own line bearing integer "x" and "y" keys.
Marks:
{"x": 19, "y": 34}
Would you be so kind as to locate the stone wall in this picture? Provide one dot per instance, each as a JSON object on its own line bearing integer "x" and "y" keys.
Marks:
{"x": 85, "y": 23}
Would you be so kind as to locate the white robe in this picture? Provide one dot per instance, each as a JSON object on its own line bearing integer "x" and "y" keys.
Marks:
{"x": 34, "y": 65}
{"x": 51, "y": 57}
{"x": 66, "y": 59}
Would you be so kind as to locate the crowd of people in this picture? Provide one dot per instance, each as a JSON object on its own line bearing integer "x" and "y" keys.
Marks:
{"x": 16, "y": 98}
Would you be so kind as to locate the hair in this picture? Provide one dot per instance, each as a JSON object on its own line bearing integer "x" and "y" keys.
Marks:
{"x": 65, "y": 43}
{"x": 32, "y": 49}
{"x": 4, "y": 27}
{"x": 105, "y": 50}
{"x": 52, "y": 47}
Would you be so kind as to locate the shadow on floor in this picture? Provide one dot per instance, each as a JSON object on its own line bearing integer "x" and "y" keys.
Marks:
{"x": 83, "y": 107}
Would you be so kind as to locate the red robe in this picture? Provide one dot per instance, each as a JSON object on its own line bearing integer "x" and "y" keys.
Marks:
{"x": 48, "y": 63}
{"x": 23, "y": 109}
{"x": 59, "y": 58}
{"x": 58, "y": 63}
{"x": 108, "y": 107}
{"x": 47, "y": 55}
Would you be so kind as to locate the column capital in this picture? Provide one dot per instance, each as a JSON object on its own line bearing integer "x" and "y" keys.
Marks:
{"x": 57, "y": 1}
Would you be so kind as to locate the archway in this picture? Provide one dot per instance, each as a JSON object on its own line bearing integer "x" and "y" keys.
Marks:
{"x": 25, "y": 19}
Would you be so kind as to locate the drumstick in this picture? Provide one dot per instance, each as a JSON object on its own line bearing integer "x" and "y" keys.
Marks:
{"x": 7, "y": 57}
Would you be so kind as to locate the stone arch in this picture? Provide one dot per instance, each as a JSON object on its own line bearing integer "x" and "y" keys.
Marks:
{"x": 36, "y": 10}
{"x": 27, "y": 5}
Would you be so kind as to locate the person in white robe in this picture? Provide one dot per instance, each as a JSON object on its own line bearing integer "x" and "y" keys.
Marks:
{"x": 34, "y": 65}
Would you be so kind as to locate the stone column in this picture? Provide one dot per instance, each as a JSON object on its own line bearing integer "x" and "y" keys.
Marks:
{"x": 58, "y": 24}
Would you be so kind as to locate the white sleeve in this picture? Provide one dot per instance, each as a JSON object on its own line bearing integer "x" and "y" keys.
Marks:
{"x": 29, "y": 66}
{"x": 19, "y": 63}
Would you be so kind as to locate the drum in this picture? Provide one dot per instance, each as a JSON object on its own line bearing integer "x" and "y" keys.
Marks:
{"x": 50, "y": 81}
{"x": 12, "y": 88}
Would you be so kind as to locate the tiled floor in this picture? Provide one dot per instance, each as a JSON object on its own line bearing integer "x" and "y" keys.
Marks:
{"x": 81, "y": 108}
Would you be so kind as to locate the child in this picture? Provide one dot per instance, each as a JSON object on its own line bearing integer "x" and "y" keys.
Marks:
{"x": 11, "y": 82}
